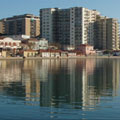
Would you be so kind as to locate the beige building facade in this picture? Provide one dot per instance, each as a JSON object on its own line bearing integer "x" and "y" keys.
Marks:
{"x": 26, "y": 24}
{"x": 2, "y": 26}
{"x": 107, "y": 34}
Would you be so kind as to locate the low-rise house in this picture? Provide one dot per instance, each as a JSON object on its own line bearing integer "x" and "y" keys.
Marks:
{"x": 42, "y": 44}
{"x": 9, "y": 43}
{"x": 64, "y": 54}
{"x": 32, "y": 43}
{"x": 86, "y": 49}
{"x": 72, "y": 54}
{"x": 36, "y": 44}
{"x": 30, "y": 53}
{"x": 55, "y": 53}
{"x": 50, "y": 53}
{"x": 44, "y": 53}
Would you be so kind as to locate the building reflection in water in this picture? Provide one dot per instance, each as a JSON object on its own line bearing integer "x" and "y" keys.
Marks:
{"x": 75, "y": 83}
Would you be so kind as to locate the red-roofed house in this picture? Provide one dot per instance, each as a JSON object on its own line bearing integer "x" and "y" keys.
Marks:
{"x": 86, "y": 49}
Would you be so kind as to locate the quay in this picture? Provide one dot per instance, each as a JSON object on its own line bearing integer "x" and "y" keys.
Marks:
{"x": 76, "y": 57}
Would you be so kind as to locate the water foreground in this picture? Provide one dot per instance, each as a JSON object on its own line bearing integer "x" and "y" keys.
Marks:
{"x": 85, "y": 89}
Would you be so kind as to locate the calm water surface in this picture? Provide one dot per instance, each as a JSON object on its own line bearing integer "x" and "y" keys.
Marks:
{"x": 84, "y": 89}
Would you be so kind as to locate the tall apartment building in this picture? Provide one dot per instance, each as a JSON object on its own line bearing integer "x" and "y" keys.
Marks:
{"x": 46, "y": 23}
{"x": 26, "y": 24}
{"x": 73, "y": 26}
{"x": 61, "y": 27}
{"x": 82, "y": 25}
{"x": 107, "y": 33}
{"x": 113, "y": 40}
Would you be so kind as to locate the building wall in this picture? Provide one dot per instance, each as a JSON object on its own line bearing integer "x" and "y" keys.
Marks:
{"x": 9, "y": 43}
{"x": 62, "y": 31}
{"x": 27, "y": 27}
{"x": 107, "y": 34}
{"x": 2, "y": 28}
{"x": 21, "y": 24}
{"x": 46, "y": 24}
{"x": 112, "y": 34}
{"x": 30, "y": 53}
{"x": 73, "y": 26}
{"x": 37, "y": 27}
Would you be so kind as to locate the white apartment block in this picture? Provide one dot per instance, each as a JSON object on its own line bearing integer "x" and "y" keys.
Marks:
{"x": 82, "y": 25}
{"x": 75, "y": 26}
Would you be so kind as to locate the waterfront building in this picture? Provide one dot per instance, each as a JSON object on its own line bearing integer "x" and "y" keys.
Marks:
{"x": 107, "y": 34}
{"x": 55, "y": 53}
{"x": 71, "y": 54}
{"x": 30, "y": 53}
{"x": 78, "y": 25}
{"x": 26, "y": 24}
{"x": 44, "y": 53}
{"x": 42, "y": 44}
{"x": 9, "y": 43}
{"x": 73, "y": 26}
{"x": 64, "y": 54}
{"x": 35, "y": 44}
{"x": 86, "y": 49}
{"x": 50, "y": 53}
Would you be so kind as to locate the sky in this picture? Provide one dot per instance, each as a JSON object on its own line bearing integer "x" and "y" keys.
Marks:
{"x": 8, "y": 8}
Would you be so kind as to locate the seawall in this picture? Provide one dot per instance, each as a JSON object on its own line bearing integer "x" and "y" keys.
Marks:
{"x": 78, "y": 57}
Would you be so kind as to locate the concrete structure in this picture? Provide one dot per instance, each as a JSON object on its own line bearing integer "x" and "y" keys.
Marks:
{"x": 2, "y": 26}
{"x": 86, "y": 49}
{"x": 32, "y": 43}
{"x": 50, "y": 53}
{"x": 72, "y": 54}
{"x": 44, "y": 53}
{"x": 42, "y": 44}
{"x": 9, "y": 43}
{"x": 30, "y": 53}
{"x": 55, "y": 53}
{"x": 78, "y": 25}
{"x": 107, "y": 34}
{"x": 64, "y": 54}
{"x": 35, "y": 44}
{"x": 26, "y": 24}
{"x": 73, "y": 26}
{"x": 82, "y": 25}
{"x": 46, "y": 23}
{"x": 113, "y": 40}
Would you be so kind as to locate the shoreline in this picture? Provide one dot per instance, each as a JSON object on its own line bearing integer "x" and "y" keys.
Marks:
{"x": 78, "y": 57}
